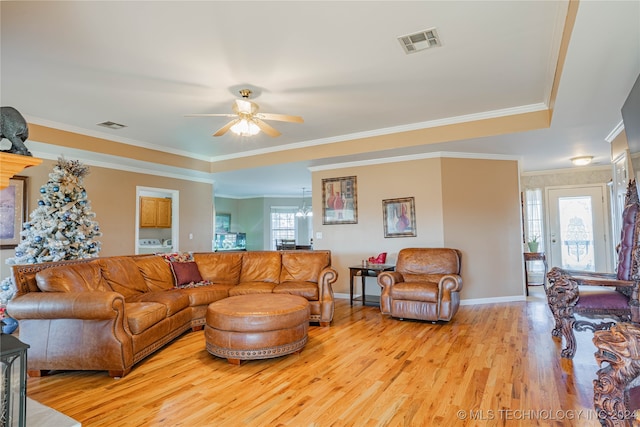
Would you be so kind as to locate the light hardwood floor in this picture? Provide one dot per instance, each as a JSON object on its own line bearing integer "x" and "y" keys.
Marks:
{"x": 494, "y": 364}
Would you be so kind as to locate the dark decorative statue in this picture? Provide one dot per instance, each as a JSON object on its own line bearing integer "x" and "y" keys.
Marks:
{"x": 14, "y": 127}
{"x": 617, "y": 388}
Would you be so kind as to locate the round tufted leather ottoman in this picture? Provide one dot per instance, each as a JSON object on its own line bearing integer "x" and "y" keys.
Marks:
{"x": 257, "y": 326}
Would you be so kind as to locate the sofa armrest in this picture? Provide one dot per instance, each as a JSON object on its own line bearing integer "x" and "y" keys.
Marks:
{"x": 74, "y": 330}
{"x": 67, "y": 305}
{"x": 326, "y": 278}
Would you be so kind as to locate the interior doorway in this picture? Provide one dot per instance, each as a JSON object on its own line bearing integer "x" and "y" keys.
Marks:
{"x": 167, "y": 237}
{"x": 578, "y": 233}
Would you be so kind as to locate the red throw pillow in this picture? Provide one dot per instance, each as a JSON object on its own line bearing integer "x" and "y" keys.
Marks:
{"x": 185, "y": 272}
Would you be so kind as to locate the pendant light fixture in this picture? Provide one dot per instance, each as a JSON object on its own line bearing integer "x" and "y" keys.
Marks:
{"x": 304, "y": 211}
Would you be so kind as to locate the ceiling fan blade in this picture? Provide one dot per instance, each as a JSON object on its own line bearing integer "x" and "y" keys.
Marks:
{"x": 225, "y": 128}
{"x": 269, "y": 130}
{"x": 280, "y": 117}
{"x": 211, "y": 115}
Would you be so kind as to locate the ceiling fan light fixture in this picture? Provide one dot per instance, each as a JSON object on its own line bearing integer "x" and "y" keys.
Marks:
{"x": 245, "y": 127}
{"x": 581, "y": 160}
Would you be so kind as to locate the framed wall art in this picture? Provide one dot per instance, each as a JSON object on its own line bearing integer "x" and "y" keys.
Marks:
{"x": 13, "y": 211}
{"x": 223, "y": 222}
{"x": 339, "y": 200}
{"x": 399, "y": 217}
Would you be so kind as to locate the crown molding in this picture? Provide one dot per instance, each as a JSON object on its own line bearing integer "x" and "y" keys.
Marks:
{"x": 532, "y": 108}
{"x": 53, "y": 152}
{"x": 421, "y": 156}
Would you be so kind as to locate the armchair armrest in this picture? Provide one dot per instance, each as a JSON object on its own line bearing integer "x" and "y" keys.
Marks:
{"x": 67, "y": 305}
{"x": 450, "y": 283}
{"x": 386, "y": 280}
{"x": 588, "y": 278}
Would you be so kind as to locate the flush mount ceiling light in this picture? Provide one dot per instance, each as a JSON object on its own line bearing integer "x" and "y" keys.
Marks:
{"x": 582, "y": 160}
{"x": 304, "y": 211}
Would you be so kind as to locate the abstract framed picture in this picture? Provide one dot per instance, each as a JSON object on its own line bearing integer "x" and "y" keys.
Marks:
{"x": 339, "y": 200}
{"x": 399, "y": 217}
{"x": 13, "y": 211}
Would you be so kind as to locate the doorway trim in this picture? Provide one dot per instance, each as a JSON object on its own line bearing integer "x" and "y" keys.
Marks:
{"x": 175, "y": 213}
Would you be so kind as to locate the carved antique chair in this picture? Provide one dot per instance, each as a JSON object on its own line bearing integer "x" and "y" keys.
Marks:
{"x": 616, "y": 391}
{"x": 599, "y": 296}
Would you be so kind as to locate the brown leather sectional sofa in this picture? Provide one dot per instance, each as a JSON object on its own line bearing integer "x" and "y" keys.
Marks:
{"x": 109, "y": 313}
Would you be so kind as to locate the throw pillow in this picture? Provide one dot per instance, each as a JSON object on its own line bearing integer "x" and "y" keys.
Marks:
{"x": 177, "y": 257}
{"x": 185, "y": 272}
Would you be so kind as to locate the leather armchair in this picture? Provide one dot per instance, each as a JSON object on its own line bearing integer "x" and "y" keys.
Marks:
{"x": 425, "y": 285}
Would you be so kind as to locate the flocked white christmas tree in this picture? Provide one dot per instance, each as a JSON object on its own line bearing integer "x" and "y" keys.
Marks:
{"x": 62, "y": 227}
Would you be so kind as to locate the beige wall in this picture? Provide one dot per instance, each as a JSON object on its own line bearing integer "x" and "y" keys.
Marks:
{"x": 481, "y": 211}
{"x": 470, "y": 204}
{"x": 112, "y": 194}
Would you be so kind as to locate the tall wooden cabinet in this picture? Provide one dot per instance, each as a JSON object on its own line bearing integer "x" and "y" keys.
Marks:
{"x": 155, "y": 212}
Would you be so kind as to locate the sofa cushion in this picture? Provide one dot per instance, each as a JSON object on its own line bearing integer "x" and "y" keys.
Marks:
{"x": 219, "y": 267}
{"x": 122, "y": 275}
{"x": 185, "y": 272}
{"x": 303, "y": 266}
{"x": 84, "y": 277}
{"x": 142, "y": 315}
{"x": 173, "y": 300}
{"x": 308, "y": 290}
{"x": 252, "y": 288}
{"x": 205, "y": 295}
{"x": 415, "y": 291}
{"x": 156, "y": 272}
{"x": 261, "y": 266}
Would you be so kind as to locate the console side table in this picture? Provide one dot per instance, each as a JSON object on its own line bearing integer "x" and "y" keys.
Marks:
{"x": 535, "y": 256}
{"x": 369, "y": 270}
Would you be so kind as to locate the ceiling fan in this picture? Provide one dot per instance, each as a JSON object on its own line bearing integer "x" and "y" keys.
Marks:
{"x": 247, "y": 120}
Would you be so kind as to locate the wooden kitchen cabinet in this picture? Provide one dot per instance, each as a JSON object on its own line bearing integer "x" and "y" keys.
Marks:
{"x": 155, "y": 212}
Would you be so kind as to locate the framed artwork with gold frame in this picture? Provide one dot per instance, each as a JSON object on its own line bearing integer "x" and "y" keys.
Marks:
{"x": 399, "y": 217}
{"x": 340, "y": 200}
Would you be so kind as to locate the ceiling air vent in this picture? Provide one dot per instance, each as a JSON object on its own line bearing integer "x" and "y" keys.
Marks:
{"x": 112, "y": 125}
{"x": 420, "y": 41}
